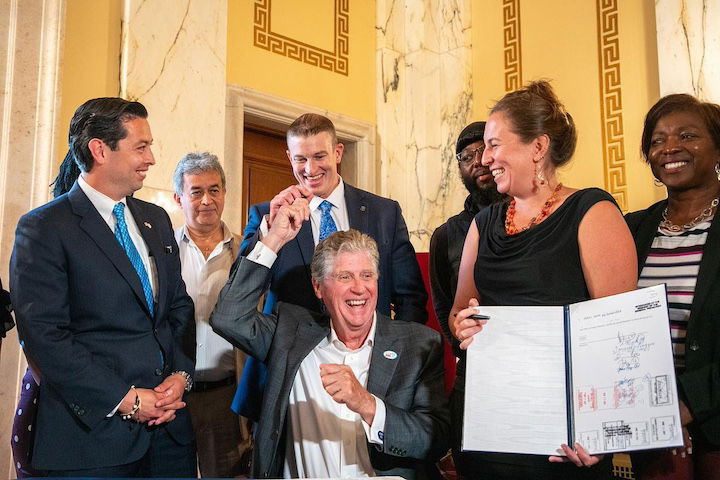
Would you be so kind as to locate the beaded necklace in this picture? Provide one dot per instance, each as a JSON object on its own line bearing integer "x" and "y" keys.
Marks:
{"x": 510, "y": 227}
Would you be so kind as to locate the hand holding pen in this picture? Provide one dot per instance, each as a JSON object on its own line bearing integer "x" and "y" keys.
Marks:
{"x": 467, "y": 323}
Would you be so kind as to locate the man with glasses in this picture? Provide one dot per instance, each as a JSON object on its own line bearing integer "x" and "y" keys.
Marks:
{"x": 350, "y": 393}
{"x": 447, "y": 241}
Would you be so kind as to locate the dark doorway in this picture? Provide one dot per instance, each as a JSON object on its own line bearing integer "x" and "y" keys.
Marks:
{"x": 266, "y": 169}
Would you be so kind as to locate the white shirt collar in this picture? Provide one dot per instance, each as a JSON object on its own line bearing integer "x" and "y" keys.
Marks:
{"x": 332, "y": 338}
{"x": 337, "y": 195}
{"x": 102, "y": 203}
{"x": 185, "y": 236}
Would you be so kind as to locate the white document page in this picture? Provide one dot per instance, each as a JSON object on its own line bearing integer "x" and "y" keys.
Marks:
{"x": 625, "y": 396}
{"x": 515, "y": 398}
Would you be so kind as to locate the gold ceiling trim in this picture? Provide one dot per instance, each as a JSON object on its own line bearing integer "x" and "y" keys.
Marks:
{"x": 334, "y": 61}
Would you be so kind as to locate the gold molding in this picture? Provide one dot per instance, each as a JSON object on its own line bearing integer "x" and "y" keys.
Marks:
{"x": 613, "y": 140}
{"x": 511, "y": 45}
{"x": 335, "y": 61}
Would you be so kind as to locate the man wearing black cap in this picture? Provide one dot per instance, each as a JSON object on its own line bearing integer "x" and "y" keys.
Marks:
{"x": 447, "y": 241}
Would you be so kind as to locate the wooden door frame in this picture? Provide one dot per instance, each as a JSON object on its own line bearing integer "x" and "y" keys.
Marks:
{"x": 263, "y": 109}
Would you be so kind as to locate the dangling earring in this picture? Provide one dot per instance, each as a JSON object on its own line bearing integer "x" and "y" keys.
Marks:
{"x": 657, "y": 182}
{"x": 540, "y": 175}
{"x": 717, "y": 171}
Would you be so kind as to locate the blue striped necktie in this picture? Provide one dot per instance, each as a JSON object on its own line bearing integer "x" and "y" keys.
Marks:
{"x": 327, "y": 224}
{"x": 123, "y": 236}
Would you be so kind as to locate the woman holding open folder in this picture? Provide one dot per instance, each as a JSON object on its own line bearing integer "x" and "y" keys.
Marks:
{"x": 550, "y": 245}
{"x": 678, "y": 243}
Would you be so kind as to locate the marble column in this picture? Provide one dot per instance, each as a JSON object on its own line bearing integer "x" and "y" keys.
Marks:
{"x": 688, "y": 45}
{"x": 177, "y": 68}
{"x": 424, "y": 99}
{"x": 30, "y": 50}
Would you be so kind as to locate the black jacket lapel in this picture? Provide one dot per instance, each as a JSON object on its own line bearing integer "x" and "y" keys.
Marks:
{"x": 310, "y": 331}
{"x": 357, "y": 208}
{"x": 709, "y": 266}
{"x": 386, "y": 353}
{"x": 645, "y": 233}
{"x": 155, "y": 247}
{"x": 92, "y": 223}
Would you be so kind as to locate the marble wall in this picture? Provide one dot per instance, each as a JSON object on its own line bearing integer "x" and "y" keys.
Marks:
{"x": 688, "y": 45}
{"x": 424, "y": 99}
{"x": 30, "y": 52}
{"x": 176, "y": 68}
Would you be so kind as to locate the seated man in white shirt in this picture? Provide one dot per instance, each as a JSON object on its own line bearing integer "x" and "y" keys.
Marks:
{"x": 207, "y": 250}
{"x": 349, "y": 392}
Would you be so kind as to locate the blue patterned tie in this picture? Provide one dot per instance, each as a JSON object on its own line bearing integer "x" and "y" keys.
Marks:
{"x": 327, "y": 224}
{"x": 123, "y": 236}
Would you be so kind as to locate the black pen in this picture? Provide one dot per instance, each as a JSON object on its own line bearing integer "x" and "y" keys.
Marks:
{"x": 477, "y": 316}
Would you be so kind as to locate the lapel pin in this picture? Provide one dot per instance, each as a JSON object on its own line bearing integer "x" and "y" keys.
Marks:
{"x": 389, "y": 354}
{"x": 168, "y": 249}
{"x": 363, "y": 208}
{"x": 147, "y": 224}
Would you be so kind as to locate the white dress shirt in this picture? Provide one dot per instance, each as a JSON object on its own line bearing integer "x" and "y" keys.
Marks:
{"x": 325, "y": 438}
{"x": 104, "y": 205}
{"x": 338, "y": 213}
{"x": 204, "y": 278}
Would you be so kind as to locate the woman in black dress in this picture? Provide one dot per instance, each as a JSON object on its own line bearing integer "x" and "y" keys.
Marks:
{"x": 550, "y": 245}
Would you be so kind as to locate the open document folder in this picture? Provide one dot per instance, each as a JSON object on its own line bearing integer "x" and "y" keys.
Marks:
{"x": 598, "y": 372}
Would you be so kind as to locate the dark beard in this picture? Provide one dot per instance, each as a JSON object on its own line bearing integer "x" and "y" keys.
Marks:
{"x": 482, "y": 197}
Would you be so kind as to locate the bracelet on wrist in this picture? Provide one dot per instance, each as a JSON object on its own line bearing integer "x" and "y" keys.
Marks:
{"x": 135, "y": 408}
{"x": 187, "y": 377}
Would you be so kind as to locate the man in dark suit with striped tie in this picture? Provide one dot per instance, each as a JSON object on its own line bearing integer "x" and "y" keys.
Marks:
{"x": 102, "y": 309}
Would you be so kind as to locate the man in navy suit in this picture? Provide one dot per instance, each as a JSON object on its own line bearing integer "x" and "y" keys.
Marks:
{"x": 102, "y": 309}
{"x": 314, "y": 154}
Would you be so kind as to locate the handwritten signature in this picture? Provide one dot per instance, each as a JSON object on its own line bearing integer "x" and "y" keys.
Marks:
{"x": 628, "y": 349}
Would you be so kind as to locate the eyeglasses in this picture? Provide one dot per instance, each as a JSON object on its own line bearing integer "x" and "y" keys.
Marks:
{"x": 348, "y": 277}
{"x": 466, "y": 157}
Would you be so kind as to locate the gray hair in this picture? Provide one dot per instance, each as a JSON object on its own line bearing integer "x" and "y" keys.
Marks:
{"x": 194, "y": 163}
{"x": 341, "y": 242}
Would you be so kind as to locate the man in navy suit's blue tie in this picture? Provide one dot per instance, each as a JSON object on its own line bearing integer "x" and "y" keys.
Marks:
{"x": 102, "y": 308}
{"x": 314, "y": 154}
